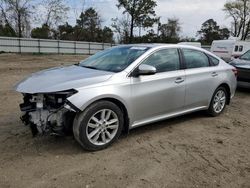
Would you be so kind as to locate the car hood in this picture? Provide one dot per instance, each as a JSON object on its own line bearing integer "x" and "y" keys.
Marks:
{"x": 240, "y": 63}
{"x": 61, "y": 79}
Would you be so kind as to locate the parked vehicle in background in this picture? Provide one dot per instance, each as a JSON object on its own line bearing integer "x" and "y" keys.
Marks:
{"x": 223, "y": 49}
{"x": 229, "y": 49}
{"x": 242, "y": 64}
{"x": 195, "y": 44}
{"x": 240, "y": 48}
{"x": 125, "y": 87}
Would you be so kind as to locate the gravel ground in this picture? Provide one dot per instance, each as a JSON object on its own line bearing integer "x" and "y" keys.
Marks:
{"x": 190, "y": 151}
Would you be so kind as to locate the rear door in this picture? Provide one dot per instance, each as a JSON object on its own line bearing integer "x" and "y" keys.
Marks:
{"x": 201, "y": 78}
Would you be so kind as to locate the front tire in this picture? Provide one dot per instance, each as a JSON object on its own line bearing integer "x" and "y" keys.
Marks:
{"x": 98, "y": 126}
{"x": 218, "y": 102}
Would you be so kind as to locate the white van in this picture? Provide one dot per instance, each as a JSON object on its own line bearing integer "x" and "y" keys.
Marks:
{"x": 228, "y": 49}
{"x": 223, "y": 48}
{"x": 195, "y": 44}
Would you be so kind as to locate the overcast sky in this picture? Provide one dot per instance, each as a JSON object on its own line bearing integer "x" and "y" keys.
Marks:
{"x": 192, "y": 13}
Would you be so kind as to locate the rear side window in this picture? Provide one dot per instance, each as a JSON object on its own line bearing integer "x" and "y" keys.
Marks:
{"x": 214, "y": 61}
{"x": 195, "y": 59}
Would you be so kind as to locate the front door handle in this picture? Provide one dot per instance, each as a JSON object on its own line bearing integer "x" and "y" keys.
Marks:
{"x": 214, "y": 74}
{"x": 179, "y": 80}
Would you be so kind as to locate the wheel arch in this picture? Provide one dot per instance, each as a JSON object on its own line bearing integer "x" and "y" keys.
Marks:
{"x": 117, "y": 102}
{"x": 123, "y": 108}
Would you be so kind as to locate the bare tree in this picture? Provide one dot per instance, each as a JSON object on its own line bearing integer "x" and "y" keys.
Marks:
{"x": 16, "y": 13}
{"x": 239, "y": 11}
{"x": 76, "y": 8}
{"x": 3, "y": 12}
{"x": 55, "y": 12}
{"x": 122, "y": 28}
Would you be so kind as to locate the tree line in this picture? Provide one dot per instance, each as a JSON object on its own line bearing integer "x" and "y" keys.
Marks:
{"x": 138, "y": 24}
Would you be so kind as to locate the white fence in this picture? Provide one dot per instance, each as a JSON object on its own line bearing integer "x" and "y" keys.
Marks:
{"x": 28, "y": 45}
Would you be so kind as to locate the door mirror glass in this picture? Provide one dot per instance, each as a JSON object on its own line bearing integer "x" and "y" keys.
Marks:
{"x": 146, "y": 70}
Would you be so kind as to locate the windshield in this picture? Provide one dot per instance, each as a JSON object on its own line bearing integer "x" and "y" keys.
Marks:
{"x": 246, "y": 56}
{"x": 114, "y": 59}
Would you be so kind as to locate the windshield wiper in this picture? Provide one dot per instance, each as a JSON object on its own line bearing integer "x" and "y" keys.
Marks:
{"x": 89, "y": 67}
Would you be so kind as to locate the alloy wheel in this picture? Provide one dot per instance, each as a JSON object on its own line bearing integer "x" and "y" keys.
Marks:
{"x": 219, "y": 101}
{"x": 102, "y": 127}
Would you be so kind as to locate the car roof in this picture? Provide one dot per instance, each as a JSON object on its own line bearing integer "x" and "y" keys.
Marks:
{"x": 156, "y": 45}
{"x": 160, "y": 45}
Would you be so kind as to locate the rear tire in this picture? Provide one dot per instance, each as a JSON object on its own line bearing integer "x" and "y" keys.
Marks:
{"x": 218, "y": 102}
{"x": 98, "y": 126}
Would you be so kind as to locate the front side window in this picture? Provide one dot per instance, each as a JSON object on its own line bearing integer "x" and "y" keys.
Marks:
{"x": 164, "y": 60}
{"x": 246, "y": 56}
{"x": 114, "y": 59}
{"x": 195, "y": 59}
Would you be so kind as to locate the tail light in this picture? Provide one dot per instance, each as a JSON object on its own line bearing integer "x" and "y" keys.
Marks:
{"x": 235, "y": 71}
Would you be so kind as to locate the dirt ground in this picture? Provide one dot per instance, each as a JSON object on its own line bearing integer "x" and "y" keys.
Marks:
{"x": 189, "y": 151}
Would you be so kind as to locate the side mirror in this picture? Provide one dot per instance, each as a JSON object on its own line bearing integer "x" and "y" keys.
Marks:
{"x": 146, "y": 70}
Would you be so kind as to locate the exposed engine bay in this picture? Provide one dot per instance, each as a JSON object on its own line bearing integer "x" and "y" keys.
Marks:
{"x": 48, "y": 113}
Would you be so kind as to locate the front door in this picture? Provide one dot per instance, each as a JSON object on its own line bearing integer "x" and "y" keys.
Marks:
{"x": 162, "y": 93}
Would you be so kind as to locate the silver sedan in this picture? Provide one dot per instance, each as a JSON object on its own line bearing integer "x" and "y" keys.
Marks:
{"x": 125, "y": 87}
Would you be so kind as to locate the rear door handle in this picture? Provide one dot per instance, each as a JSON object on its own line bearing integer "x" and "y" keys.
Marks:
{"x": 214, "y": 74}
{"x": 179, "y": 80}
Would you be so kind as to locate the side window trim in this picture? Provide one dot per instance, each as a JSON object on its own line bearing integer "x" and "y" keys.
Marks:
{"x": 182, "y": 60}
{"x": 209, "y": 60}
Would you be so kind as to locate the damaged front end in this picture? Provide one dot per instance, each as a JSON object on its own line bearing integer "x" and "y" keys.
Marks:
{"x": 48, "y": 113}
